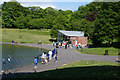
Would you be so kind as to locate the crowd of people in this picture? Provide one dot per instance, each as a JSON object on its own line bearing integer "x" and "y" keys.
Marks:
{"x": 46, "y": 57}
{"x": 67, "y": 44}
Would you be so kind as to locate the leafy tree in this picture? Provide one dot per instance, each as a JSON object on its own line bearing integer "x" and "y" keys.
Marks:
{"x": 107, "y": 24}
{"x": 59, "y": 24}
{"x": 37, "y": 23}
{"x": 54, "y": 30}
{"x": 48, "y": 21}
{"x": 10, "y": 12}
{"x": 62, "y": 20}
{"x": 22, "y": 22}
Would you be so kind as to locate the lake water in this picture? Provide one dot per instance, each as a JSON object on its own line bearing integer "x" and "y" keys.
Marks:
{"x": 14, "y": 56}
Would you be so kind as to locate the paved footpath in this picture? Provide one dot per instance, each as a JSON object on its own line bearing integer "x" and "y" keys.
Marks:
{"x": 65, "y": 56}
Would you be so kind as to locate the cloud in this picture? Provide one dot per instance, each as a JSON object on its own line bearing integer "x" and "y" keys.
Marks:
{"x": 45, "y": 6}
{"x": 55, "y": 0}
{"x": 67, "y": 0}
{"x": 41, "y": 5}
{"x": 28, "y": 0}
{"x": 1, "y": 1}
{"x": 49, "y": 0}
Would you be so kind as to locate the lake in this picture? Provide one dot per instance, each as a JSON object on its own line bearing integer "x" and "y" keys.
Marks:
{"x": 14, "y": 56}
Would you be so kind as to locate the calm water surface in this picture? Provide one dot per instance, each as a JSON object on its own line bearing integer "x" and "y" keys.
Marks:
{"x": 14, "y": 56}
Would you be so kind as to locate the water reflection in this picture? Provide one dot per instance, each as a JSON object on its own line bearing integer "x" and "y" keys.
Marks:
{"x": 14, "y": 56}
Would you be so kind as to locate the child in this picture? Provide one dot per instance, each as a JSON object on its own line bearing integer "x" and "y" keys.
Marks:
{"x": 35, "y": 62}
{"x": 44, "y": 58}
{"x": 56, "y": 57}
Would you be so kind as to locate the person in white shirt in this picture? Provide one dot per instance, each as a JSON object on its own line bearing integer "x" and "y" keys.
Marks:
{"x": 44, "y": 58}
{"x": 83, "y": 46}
{"x": 79, "y": 45}
{"x": 50, "y": 55}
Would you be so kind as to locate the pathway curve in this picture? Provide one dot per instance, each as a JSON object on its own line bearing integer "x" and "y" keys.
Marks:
{"x": 65, "y": 56}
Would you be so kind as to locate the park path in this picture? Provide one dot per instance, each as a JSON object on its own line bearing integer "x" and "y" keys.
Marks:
{"x": 65, "y": 56}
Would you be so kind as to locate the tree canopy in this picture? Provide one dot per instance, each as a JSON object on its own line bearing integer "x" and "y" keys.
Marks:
{"x": 99, "y": 20}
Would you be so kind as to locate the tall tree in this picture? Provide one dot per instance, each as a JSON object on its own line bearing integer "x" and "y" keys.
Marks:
{"x": 107, "y": 24}
{"x": 10, "y": 12}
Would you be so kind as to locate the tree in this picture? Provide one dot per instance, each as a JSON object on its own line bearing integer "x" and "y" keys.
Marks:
{"x": 107, "y": 24}
{"x": 62, "y": 20}
{"x": 10, "y": 12}
{"x": 22, "y": 22}
{"x": 54, "y": 30}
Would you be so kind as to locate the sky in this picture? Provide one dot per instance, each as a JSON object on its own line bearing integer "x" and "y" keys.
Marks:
{"x": 56, "y": 4}
{"x": 72, "y": 5}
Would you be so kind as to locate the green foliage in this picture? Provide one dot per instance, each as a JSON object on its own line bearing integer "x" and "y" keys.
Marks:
{"x": 103, "y": 21}
{"x": 10, "y": 12}
{"x": 107, "y": 24}
{"x": 37, "y": 23}
{"x": 0, "y": 18}
{"x": 60, "y": 23}
{"x": 99, "y": 20}
{"x": 53, "y": 32}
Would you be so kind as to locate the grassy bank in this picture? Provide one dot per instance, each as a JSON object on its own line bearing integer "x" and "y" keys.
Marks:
{"x": 26, "y": 35}
{"x": 100, "y": 51}
{"x": 80, "y": 69}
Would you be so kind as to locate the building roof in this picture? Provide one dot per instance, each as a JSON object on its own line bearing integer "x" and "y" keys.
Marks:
{"x": 72, "y": 33}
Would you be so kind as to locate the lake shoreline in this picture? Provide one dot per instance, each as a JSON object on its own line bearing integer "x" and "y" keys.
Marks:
{"x": 65, "y": 56}
{"x": 27, "y": 45}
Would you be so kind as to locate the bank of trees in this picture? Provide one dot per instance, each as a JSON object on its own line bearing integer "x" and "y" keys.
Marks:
{"x": 99, "y": 20}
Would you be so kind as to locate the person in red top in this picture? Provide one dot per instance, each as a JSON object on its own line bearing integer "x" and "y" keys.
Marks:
{"x": 77, "y": 46}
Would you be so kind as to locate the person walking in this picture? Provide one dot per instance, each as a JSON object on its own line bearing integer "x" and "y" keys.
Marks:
{"x": 44, "y": 58}
{"x": 56, "y": 55}
{"x": 35, "y": 63}
{"x": 53, "y": 43}
{"x": 59, "y": 45}
{"x": 76, "y": 46}
{"x": 81, "y": 48}
{"x": 79, "y": 45}
{"x": 66, "y": 45}
{"x": 50, "y": 55}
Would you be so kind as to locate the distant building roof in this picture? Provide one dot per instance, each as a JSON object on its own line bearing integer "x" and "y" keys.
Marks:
{"x": 72, "y": 33}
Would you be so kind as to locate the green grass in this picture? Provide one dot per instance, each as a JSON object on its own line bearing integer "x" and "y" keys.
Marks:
{"x": 100, "y": 51}
{"x": 26, "y": 35}
{"x": 85, "y": 63}
{"x": 80, "y": 69}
